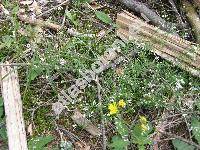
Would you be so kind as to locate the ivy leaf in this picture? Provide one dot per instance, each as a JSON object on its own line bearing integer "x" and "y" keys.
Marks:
{"x": 39, "y": 143}
{"x": 118, "y": 143}
{"x": 195, "y": 124}
{"x": 103, "y": 17}
{"x": 180, "y": 145}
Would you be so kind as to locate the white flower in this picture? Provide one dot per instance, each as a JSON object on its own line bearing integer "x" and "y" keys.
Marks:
{"x": 179, "y": 83}
{"x": 62, "y": 61}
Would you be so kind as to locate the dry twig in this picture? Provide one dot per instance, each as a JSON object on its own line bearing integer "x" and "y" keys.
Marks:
{"x": 52, "y": 8}
{"x": 39, "y": 22}
{"x": 179, "y": 137}
{"x": 101, "y": 111}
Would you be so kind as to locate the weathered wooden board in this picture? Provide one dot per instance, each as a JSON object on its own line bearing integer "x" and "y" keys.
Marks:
{"x": 13, "y": 108}
{"x": 170, "y": 47}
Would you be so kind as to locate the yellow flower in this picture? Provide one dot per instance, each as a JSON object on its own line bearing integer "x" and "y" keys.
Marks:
{"x": 144, "y": 127}
{"x": 113, "y": 108}
{"x": 143, "y": 120}
{"x": 121, "y": 103}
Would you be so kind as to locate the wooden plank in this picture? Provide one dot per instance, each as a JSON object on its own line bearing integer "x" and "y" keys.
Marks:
{"x": 13, "y": 108}
{"x": 180, "y": 52}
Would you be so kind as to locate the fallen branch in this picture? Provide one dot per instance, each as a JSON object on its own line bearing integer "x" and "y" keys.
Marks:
{"x": 39, "y": 22}
{"x": 148, "y": 13}
{"x": 179, "y": 18}
{"x": 52, "y": 8}
{"x": 101, "y": 111}
{"x": 170, "y": 47}
{"x": 13, "y": 109}
{"x": 193, "y": 19}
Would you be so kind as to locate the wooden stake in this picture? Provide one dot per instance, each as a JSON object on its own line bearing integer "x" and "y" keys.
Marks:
{"x": 13, "y": 108}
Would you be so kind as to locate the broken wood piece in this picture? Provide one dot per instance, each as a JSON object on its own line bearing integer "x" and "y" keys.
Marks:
{"x": 13, "y": 108}
{"x": 170, "y": 47}
{"x": 39, "y": 22}
{"x": 81, "y": 120}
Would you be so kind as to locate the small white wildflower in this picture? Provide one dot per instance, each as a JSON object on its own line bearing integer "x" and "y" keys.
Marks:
{"x": 74, "y": 125}
{"x": 179, "y": 84}
{"x": 62, "y": 61}
{"x": 28, "y": 45}
{"x": 59, "y": 8}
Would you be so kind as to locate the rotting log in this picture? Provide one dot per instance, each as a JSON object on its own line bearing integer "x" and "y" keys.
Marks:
{"x": 170, "y": 47}
{"x": 13, "y": 108}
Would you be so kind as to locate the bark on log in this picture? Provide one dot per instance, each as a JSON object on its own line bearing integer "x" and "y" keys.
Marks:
{"x": 193, "y": 19}
{"x": 173, "y": 48}
{"x": 13, "y": 109}
{"x": 150, "y": 14}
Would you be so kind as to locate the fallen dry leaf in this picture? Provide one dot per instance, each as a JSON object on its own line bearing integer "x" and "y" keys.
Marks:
{"x": 35, "y": 8}
{"x": 30, "y": 129}
{"x": 119, "y": 71}
{"x": 101, "y": 34}
{"x": 81, "y": 146}
{"x": 95, "y": 5}
{"x": 26, "y": 2}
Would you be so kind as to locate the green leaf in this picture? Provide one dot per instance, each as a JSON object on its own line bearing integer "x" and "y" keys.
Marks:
{"x": 7, "y": 41}
{"x": 195, "y": 124}
{"x": 1, "y": 108}
{"x": 83, "y": 1}
{"x": 122, "y": 129}
{"x": 180, "y": 145}
{"x": 139, "y": 136}
{"x": 34, "y": 72}
{"x": 39, "y": 143}
{"x": 3, "y": 133}
{"x": 118, "y": 143}
{"x": 72, "y": 18}
{"x": 1, "y": 101}
{"x": 198, "y": 104}
{"x": 103, "y": 17}
{"x": 1, "y": 113}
